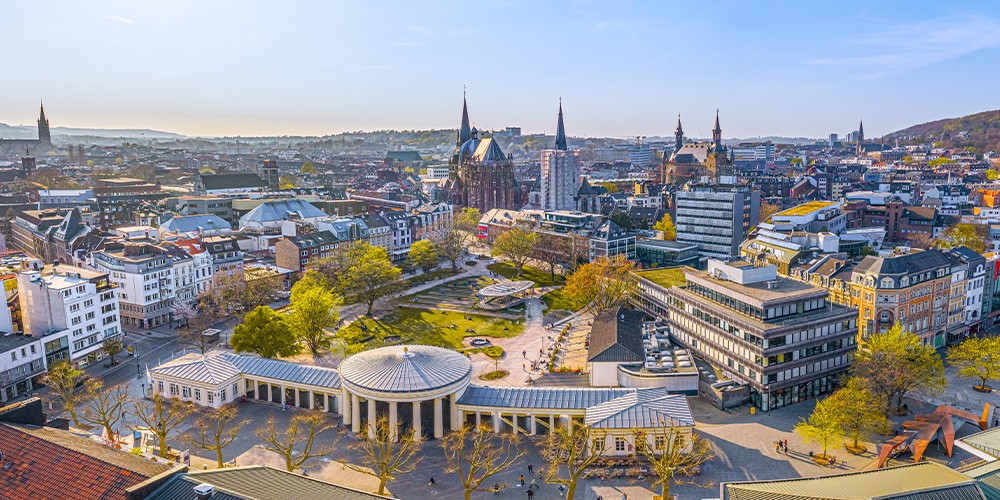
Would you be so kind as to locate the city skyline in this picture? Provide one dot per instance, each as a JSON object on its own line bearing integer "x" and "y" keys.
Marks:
{"x": 622, "y": 70}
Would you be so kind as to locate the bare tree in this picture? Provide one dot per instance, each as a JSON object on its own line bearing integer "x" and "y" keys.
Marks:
{"x": 301, "y": 431}
{"x": 63, "y": 379}
{"x": 162, "y": 417}
{"x": 106, "y": 410}
{"x": 476, "y": 454}
{"x": 385, "y": 452}
{"x": 573, "y": 452}
{"x": 552, "y": 249}
{"x": 672, "y": 453}
{"x": 217, "y": 430}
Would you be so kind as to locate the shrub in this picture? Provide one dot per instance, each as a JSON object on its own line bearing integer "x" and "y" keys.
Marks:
{"x": 494, "y": 352}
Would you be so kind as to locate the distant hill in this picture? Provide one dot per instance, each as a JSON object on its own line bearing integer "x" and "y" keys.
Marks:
{"x": 31, "y": 132}
{"x": 980, "y": 131}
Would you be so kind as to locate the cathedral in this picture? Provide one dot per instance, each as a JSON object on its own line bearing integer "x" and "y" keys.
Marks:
{"x": 32, "y": 146}
{"x": 480, "y": 175}
{"x": 694, "y": 160}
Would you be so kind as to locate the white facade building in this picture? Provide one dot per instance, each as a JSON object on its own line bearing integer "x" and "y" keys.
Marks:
{"x": 72, "y": 310}
{"x": 144, "y": 276}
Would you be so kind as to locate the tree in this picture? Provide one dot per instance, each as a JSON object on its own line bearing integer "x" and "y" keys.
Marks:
{"x": 385, "y": 452}
{"x": 515, "y": 246}
{"x": 237, "y": 293}
{"x": 767, "y": 210}
{"x": 451, "y": 246}
{"x": 106, "y": 410}
{"x": 795, "y": 161}
{"x": 858, "y": 411}
{"x": 666, "y": 225}
{"x": 266, "y": 333}
{"x": 424, "y": 254}
{"x": 63, "y": 379}
{"x": 286, "y": 181}
{"x": 301, "y": 433}
{"x": 315, "y": 308}
{"x": 611, "y": 187}
{"x": 992, "y": 175}
{"x": 977, "y": 358}
{"x": 217, "y": 430}
{"x": 307, "y": 168}
{"x": 476, "y": 454}
{"x": 822, "y": 427}
{"x": 973, "y": 236}
{"x": 467, "y": 221}
{"x": 111, "y": 347}
{"x": 603, "y": 283}
{"x": 573, "y": 451}
{"x": 162, "y": 417}
{"x": 551, "y": 250}
{"x": 372, "y": 277}
{"x": 622, "y": 218}
{"x": 672, "y": 453}
{"x": 896, "y": 362}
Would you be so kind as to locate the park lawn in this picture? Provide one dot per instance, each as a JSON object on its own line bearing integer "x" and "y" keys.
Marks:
{"x": 539, "y": 276}
{"x": 430, "y": 327}
{"x": 558, "y": 299}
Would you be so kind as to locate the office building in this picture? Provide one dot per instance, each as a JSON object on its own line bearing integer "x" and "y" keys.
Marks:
{"x": 717, "y": 218}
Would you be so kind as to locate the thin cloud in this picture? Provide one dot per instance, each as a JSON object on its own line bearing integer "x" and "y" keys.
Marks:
{"x": 110, "y": 17}
{"x": 917, "y": 45}
{"x": 120, "y": 19}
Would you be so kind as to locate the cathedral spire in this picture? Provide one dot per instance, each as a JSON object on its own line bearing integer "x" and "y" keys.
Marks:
{"x": 44, "y": 136}
{"x": 465, "y": 131}
{"x": 560, "y": 130}
{"x": 678, "y": 135}
{"x": 861, "y": 138}
{"x": 717, "y": 132}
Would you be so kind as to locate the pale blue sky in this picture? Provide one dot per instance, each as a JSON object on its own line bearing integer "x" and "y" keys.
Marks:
{"x": 622, "y": 68}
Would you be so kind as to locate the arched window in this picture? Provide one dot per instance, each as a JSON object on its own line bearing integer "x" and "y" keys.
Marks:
{"x": 886, "y": 283}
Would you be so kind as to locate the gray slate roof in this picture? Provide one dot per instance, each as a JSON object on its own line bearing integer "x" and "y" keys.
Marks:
{"x": 616, "y": 337}
{"x": 216, "y": 368}
{"x": 279, "y": 210}
{"x": 402, "y": 369}
{"x": 560, "y": 398}
{"x": 192, "y": 223}
{"x": 255, "y": 482}
{"x": 653, "y": 407}
{"x": 209, "y": 369}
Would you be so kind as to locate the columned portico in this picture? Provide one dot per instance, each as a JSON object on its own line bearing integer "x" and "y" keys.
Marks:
{"x": 438, "y": 419}
{"x": 417, "y": 430}
{"x": 355, "y": 414}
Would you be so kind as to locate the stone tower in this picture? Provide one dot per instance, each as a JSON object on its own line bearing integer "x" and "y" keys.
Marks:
{"x": 44, "y": 136}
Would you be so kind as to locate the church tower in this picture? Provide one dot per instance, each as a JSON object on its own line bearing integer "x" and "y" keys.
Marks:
{"x": 716, "y": 132}
{"x": 560, "y": 171}
{"x": 560, "y": 130}
{"x": 44, "y": 136}
{"x": 860, "y": 150}
{"x": 678, "y": 135}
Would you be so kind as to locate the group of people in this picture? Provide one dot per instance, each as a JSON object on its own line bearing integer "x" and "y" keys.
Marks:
{"x": 781, "y": 446}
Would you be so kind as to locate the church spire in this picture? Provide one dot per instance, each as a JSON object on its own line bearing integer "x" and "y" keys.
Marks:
{"x": 861, "y": 138}
{"x": 465, "y": 131}
{"x": 44, "y": 136}
{"x": 717, "y": 132}
{"x": 560, "y": 130}
{"x": 678, "y": 135}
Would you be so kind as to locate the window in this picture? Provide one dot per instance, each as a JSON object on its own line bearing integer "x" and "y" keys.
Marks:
{"x": 659, "y": 442}
{"x": 159, "y": 386}
{"x": 186, "y": 391}
{"x": 173, "y": 389}
{"x": 236, "y": 390}
{"x": 197, "y": 394}
{"x": 222, "y": 395}
{"x": 621, "y": 444}
{"x": 211, "y": 397}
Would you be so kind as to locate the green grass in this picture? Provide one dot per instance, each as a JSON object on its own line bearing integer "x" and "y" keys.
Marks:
{"x": 494, "y": 375}
{"x": 539, "y": 276}
{"x": 491, "y": 351}
{"x": 558, "y": 299}
{"x": 431, "y": 276}
{"x": 429, "y": 327}
{"x": 666, "y": 278}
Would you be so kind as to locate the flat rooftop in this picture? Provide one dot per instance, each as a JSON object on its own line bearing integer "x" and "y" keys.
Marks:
{"x": 668, "y": 277}
{"x": 804, "y": 209}
{"x": 779, "y": 290}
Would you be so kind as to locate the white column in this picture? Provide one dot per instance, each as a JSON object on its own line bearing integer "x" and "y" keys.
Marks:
{"x": 297, "y": 403}
{"x": 417, "y": 429}
{"x": 513, "y": 423}
{"x": 569, "y": 423}
{"x": 355, "y": 414}
{"x": 479, "y": 419}
{"x": 372, "y": 419}
{"x": 312, "y": 400}
{"x": 438, "y": 419}
{"x": 552, "y": 423}
{"x": 393, "y": 421}
{"x": 326, "y": 401}
{"x": 345, "y": 409}
{"x": 452, "y": 399}
{"x": 496, "y": 422}
{"x": 532, "y": 428}
{"x": 283, "y": 402}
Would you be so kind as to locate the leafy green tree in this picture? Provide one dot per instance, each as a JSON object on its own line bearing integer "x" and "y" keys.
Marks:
{"x": 937, "y": 162}
{"x": 858, "y": 411}
{"x": 622, "y": 218}
{"x": 822, "y": 427}
{"x": 896, "y": 362}
{"x": 424, "y": 254}
{"x": 467, "y": 220}
{"x": 451, "y": 246}
{"x": 667, "y": 226}
{"x": 266, "y": 333}
{"x": 973, "y": 236}
{"x": 308, "y": 168}
{"x": 515, "y": 246}
{"x": 977, "y": 358}
{"x": 992, "y": 175}
{"x": 112, "y": 346}
{"x": 602, "y": 283}
{"x": 610, "y": 186}
{"x": 372, "y": 277}
{"x": 315, "y": 309}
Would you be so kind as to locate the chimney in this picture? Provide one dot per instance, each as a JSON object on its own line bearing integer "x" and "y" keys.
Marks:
{"x": 204, "y": 491}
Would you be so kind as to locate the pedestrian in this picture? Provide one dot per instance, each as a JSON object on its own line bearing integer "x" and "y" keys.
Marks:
{"x": 786, "y": 446}
{"x": 562, "y": 489}
{"x": 520, "y": 481}
{"x": 777, "y": 446}
{"x": 431, "y": 482}
{"x": 533, "y": 484}
{"x": 531, "y": 493}
{"x": 531, "y": 470}
{"x": 525, "y": 353}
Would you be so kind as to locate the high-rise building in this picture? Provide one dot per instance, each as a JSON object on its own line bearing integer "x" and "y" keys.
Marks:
{"x": 560, "y": 171}
{"x": 781, "y": 338}
{"x": 717, "y": 218}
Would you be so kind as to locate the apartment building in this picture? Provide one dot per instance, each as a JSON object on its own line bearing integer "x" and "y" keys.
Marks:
{"x": 225, "y": 253}
{"x": 782, "y": 338}
{"x": 71, "y": 310}
{"x": 144, "y": 276}
{"x": 298, "y": 253}
{"x": 432, "y": 220}
{"x": 22, "y": 365}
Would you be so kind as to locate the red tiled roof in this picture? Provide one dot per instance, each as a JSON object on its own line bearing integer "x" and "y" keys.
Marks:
{"x": 37, "y": 463}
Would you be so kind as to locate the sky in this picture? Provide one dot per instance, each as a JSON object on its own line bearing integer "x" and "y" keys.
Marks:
{"x": 622, "y": 68}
